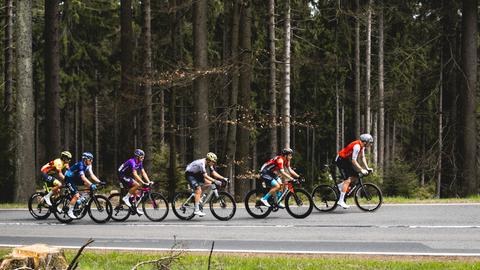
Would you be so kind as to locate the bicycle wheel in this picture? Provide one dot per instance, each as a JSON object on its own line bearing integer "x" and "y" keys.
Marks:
{"x": 223, "y": 207}
{"x": 155, "y": 206}
{"x": 61, "y": 206}
{"x": 120, "y": 211}
{"x": 253, "y": 205}
{"x": 299, "y": 204}
{"x": 325, "y": 198}
{"x": 368, "y": 197}
{"x": 38, "y": 208}
{"x": 99, "y": 209}
{"x": 183, "y": 205}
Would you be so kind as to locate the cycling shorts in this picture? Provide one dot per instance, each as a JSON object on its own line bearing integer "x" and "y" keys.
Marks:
{"x": 270, "y": 180}
{"x": 72, "y": 182}
{"x": 50, "y": 180}
{"x": 127, "y": 182}
{"x": 345, "y": 167}
{"x": 195, "y": 180}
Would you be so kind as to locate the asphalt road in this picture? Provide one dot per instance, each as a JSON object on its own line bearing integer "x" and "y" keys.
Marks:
{"x": 438, "y": 230}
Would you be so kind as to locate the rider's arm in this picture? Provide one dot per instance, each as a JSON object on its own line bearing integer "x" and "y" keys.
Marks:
{"x": 286, "y": 175}
{"x": 208, "y": 178}
{"x": 93, "y": 176}
{"x": 145, "y": 176}
{"x": 85, "y": 180}
{"x": 137, "y": 177}
{"x": 217, "y": 175}
{"x": 293, "y": 173}
{"x": 364, "y": 160}
{"x": 58, "y": 167}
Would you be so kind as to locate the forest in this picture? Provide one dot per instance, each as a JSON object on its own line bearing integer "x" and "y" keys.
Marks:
{"x": 242, "y": 79}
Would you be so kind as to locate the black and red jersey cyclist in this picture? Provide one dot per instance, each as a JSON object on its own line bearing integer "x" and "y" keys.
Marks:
{"x": 273, "y": 170}
{"x": 347, "y": 163}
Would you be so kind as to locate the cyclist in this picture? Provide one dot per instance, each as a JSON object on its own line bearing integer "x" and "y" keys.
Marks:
{"x": 197, "y": 175}
{"x": 129, "y": 176}
{"x": 52, "y": 168}
{"x": 347, "y": 163}
{"x": 76, "y": 175}
{"x": 272, "y": 173}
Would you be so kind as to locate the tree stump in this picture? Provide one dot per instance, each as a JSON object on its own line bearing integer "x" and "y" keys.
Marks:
{"x": 38, "y": 256}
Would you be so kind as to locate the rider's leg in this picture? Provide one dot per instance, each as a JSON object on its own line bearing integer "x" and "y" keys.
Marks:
{"x": 133, "y": 185}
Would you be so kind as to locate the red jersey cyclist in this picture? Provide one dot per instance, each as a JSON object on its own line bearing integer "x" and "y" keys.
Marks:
{"x": 272, "y": 173}
{"x": 52, "y": 173}
{"x": 349, "y": 166}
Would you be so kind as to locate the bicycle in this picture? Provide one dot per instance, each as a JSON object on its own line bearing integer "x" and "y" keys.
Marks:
{"x": 221, "y": 203}
{"x": 37, "y": 206}
{"x": 154, "y": 204}
{"x": 368, "y": 197}
{"x": 97, "y": 206}
{"x": 298, "y": 201}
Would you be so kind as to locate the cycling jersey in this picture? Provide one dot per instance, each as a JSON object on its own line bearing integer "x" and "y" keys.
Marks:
{"x": 275, "y": 164}
{"x": 55, "y": 166}
{"x": 352, "y": 150}
{"x": 77, "y": 170}
{"x": 198, "y": 166}
{"x": 127, "y": 168}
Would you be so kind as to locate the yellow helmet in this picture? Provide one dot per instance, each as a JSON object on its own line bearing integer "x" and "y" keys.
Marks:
{"x": 66, "y": 154}
{"x": 212, "y": 157}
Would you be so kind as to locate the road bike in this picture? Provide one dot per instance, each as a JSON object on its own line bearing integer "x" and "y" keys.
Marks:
{"x": 37, "y": 206}
{"x": 221, "y": 203}
{"x": 298, "y": 201}
{"x": 97, "y": 206}
{"x": 153, "y": 204}
{"x": 368, "y": 197}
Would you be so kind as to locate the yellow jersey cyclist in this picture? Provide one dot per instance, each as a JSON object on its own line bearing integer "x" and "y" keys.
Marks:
{"x": 77, "y": 175}
{"x": 52, "y": 174}
{"x": 197, "y": 175}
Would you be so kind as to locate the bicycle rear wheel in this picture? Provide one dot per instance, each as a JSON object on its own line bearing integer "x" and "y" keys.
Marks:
{"x": 325, "y": 198}
{"x": 60, "y": 207}
{"x": 155, "y": 207}
{"x": 368, "y": 197}
{"x": 99, "y": 209}
{"x": 37, "y": 207}
{"x": 253, "y": 205}
{"x": 183, "y": 205}
{"x": 299, "y": 204}
{"x": 223, "y": 207}
{"x": 120, "y": 211}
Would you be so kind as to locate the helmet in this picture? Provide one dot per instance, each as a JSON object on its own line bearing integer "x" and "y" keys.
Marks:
{"x": 366, "y": 138}
{"x": 66, "y": 154}
{"x": 211, "y": 156}
{"x": 87, "y": 155}
{"x": 139, "y": 153}
{"x": 286, "y": 151}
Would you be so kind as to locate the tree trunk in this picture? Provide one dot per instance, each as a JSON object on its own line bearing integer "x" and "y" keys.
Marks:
{"x": 273, "y": 81}
{"x": 286, "y": 90}
{"x": 96, "y": 133}
{"x": 469, "y": 66}
{"x": 440, "y": 133}
{"x": 25, "y": 158}
{"x": 381, "y": 98}
{"x": 357, "y": 71}
{"x": 52, "y": 80}
{"x": 8, "y": 66}
{"x": 147, "y": 85}
{"x": 200, "y": 84}
{"x": 368, "y": 115}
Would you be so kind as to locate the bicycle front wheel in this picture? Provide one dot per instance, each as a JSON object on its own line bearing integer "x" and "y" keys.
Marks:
{"x": 37, "y": 206}
{"x": 325, "y": 198}
{"x": 254, "y": 206}
{"x": 120, "y": 211}
{"x": 223, "y": 207}
{"x": 155, "y": 207}
{"x": 368, "y": 197}
{"x": 183, "y": 205}
{"x": 299, "y": 204}
{"x": 99, "y": 209}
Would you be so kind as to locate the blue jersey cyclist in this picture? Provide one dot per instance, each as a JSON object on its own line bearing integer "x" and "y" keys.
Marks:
{"x": 197, "y": 175}
{"x": 77, "y": 175}
{"x": 131, "y": 173}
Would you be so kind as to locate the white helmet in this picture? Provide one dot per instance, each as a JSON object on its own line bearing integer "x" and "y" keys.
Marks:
{"x": 366, "y": 138}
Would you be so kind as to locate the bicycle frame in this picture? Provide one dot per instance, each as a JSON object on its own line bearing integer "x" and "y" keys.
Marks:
{"x": 208, "y": 196}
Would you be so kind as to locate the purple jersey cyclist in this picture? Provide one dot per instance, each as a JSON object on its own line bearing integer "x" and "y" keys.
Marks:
{"x": 130, "y": 175}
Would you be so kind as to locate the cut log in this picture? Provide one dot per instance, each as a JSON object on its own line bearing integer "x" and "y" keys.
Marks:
{"x": 38, "y": 256}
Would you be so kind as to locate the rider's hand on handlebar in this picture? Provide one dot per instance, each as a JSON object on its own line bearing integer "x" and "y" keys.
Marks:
{"x": 218, "y": 183}
{"x": 364, "y": 172}
{"x": 370, "y": 170}
{"x": 102, "y": 183}
{"x": 93, "y": 187}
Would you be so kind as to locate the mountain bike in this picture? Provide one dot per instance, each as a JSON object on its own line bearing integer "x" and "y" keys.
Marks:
{"x": 368, "y": 197}
{"x": 37, "y": 206}
{"x": 154, "y": 204}
{"x": 298, "y": 201}
{"x": 97, "y": 206}
{"x": 221, "y": 203}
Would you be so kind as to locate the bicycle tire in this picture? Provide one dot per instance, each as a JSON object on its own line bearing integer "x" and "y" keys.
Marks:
{"x": 368, "y": 197}
{"x": 325, "y": 198}
{"x": 254, "y": 207}
{"x": 183, "y": 206}
{"x": 223, "y": 207}
{"x": 61, "y": 209}
{"x": 155, "y": 207}
{"x": 37, "y": 207}
{"x": 102, "y": 206}
{"x": 296, "y": 201}
{"x": 120, "y": 211}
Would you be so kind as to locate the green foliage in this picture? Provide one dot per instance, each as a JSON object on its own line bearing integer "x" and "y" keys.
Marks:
{"x": 400, "y": 180}
{"x": 160, "y": 165}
